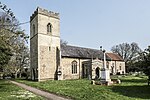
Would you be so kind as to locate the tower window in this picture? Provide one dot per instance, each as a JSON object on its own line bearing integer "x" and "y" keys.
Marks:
{"x": 33, "y": 29}
{"x": 49, "y": 27}
{"x": 74, "y": 67}
{"x": 49, "y": 48}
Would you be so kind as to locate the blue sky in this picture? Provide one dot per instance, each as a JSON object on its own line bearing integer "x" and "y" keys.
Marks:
{"x": 93, "y": 23}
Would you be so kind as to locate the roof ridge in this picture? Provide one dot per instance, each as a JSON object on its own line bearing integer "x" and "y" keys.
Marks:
{"x": 81, "y": 47}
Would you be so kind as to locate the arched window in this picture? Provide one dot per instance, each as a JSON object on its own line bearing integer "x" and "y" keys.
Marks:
{"x": 97, "y": 72}
{"x": 49, "y": 27}
{"x": 74, "y": 67}
{"x": 33, "y": 29}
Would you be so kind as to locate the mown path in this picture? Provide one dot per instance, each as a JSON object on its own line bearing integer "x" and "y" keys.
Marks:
{"x": 47, "y": 95}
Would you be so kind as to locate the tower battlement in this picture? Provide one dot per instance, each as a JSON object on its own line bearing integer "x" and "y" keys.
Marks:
{"x": 44, "y": 12}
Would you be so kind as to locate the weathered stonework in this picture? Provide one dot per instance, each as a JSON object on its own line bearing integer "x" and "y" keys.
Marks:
{"x": 96, "y": 64}
{"x": 44, "y": 12}
{"x": 118, "y": 67}
{"x": 66, "y": 64}
{"x": 45, "y": 46}
{"x": 34, "y": 57}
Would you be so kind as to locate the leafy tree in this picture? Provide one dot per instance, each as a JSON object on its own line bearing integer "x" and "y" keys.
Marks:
{"x": 14, "y": 53}
{"x": 5, "y": 35}
{"x": 146, "y": 63}
{"x": 5, "y": 54}
{"x": 20, "y": 58}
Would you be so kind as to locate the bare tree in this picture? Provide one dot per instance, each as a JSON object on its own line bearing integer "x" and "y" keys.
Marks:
{"x": 62, "y": 42}
{"x": 127, "y": 51}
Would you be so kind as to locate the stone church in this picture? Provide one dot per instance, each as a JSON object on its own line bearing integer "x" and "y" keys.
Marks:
{"x": 52, "y": 60}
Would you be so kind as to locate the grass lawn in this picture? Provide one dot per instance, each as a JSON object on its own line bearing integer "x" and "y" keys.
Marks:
{"x": 8, "y": 91}
{"x": 131, "y": 88}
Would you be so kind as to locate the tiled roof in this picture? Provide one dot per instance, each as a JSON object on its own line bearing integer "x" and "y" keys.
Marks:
{"x": 80, "y": 52}
{"x": 114, "y": 57}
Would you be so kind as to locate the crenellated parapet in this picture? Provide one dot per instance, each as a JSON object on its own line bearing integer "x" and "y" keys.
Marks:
{"x": 44, "y": 12}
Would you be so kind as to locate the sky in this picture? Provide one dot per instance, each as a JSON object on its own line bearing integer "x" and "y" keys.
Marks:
{"x": 93, "y": 23}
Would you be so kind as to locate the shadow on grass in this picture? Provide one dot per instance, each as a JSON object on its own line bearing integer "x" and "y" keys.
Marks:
{"x": 135, "y": 81}
{"x": 142, "y": 92}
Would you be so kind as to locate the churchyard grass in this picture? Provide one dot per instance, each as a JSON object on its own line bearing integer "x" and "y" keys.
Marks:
{"x": 131, "y": 88}
{"x": 9, "y": 91}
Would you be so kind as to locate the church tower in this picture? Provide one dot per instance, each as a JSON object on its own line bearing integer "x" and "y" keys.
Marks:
{"x": 44, "y": 44}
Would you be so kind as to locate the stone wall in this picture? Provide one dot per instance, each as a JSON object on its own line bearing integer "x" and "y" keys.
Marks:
{"x": 45, "y": 45}
{"x": 119, "y": 67}
{"x": 42, "y": 25}
{"x": 34, "y": 56}
{"x": 34, "y": 51}
{"x": 48, "y": 45}
{"x": 66, "y": 64}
